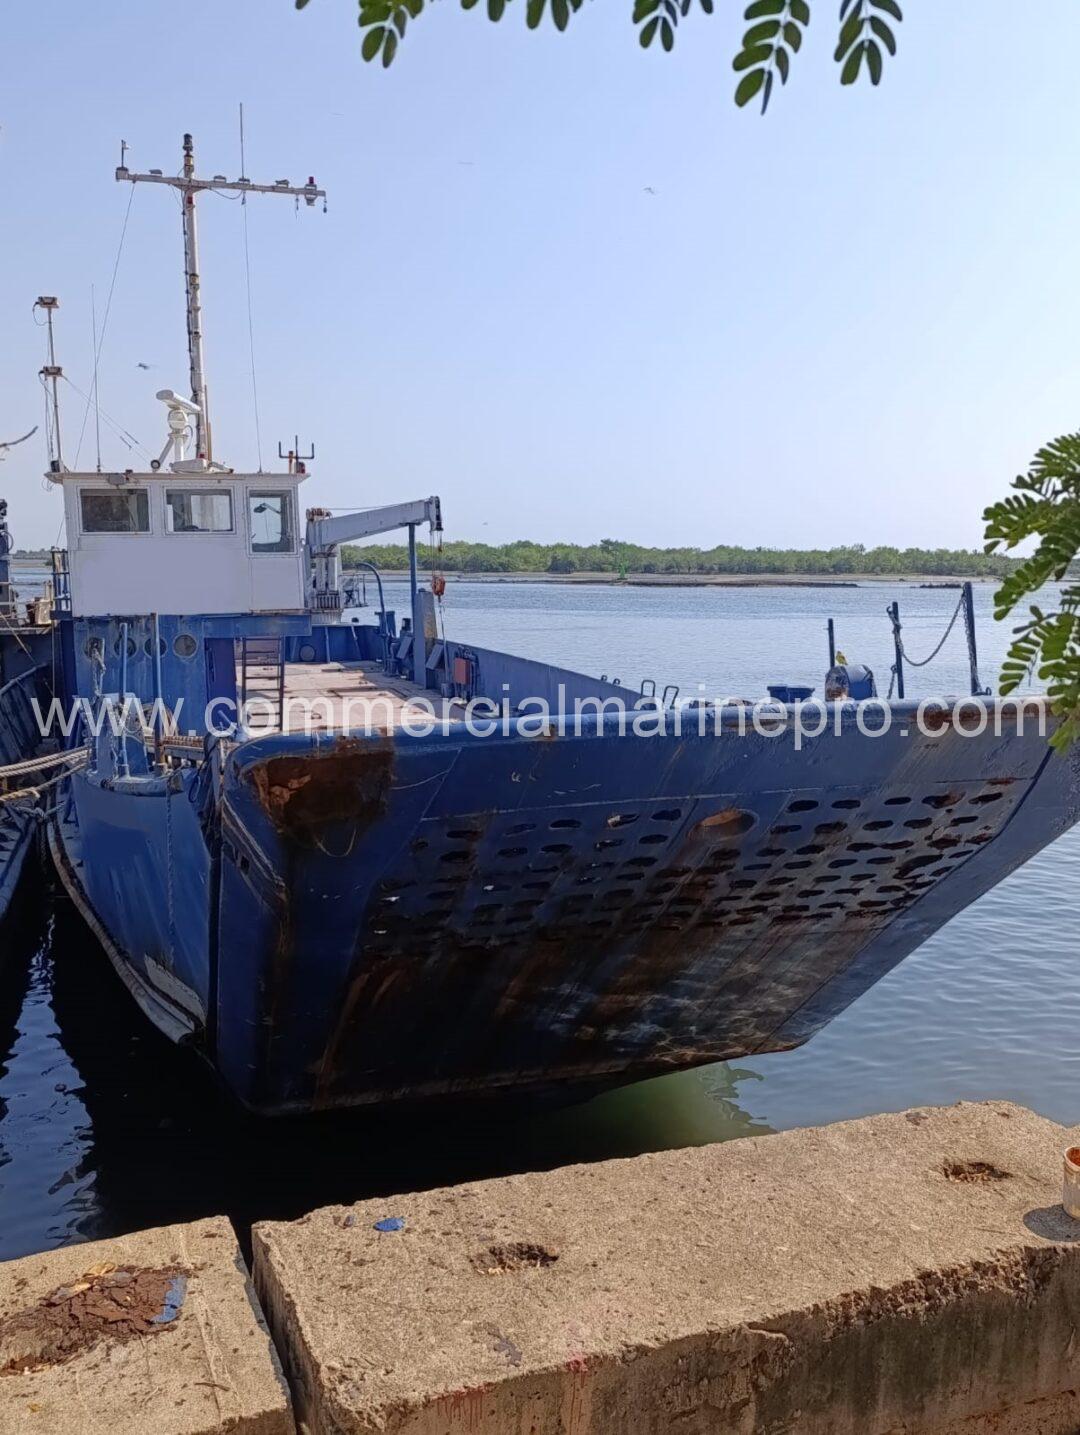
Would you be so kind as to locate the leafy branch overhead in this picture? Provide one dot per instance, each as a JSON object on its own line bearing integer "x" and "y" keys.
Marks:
{"x": 1044, "y": 504}
{"x": 773, "y": 36}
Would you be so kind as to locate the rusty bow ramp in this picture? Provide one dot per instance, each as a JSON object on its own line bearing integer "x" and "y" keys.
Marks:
{"x": 403, "y": 918}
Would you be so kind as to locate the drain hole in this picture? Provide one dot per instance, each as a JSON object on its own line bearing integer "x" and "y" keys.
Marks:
{"x": 804, "y": 804}
{"x": 897, "y": 801}
{"x": 728, "y": 823}
{"x": 565, "y": 822}
{"x": 985, "y": 798}
{"x": 667, "y": 814}
{"x": 847, "y": 803}
{"x": 622, "y": 819}
{"x": 512, "y": 852}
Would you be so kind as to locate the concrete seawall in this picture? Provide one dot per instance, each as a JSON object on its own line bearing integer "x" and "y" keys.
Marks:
{"x": 906, "y": 1273}
{"x": 911, "y": 1274}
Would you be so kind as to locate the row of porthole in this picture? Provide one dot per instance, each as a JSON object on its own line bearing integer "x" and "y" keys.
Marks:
{"x": 184, "y": 646}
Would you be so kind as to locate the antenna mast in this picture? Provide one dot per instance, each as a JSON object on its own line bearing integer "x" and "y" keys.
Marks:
{"x": 189, "y": 186}
{"x": 51, "y": 374}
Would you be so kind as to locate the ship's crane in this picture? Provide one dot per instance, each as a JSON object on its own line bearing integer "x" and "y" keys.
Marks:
{"x": 327, "y": 531}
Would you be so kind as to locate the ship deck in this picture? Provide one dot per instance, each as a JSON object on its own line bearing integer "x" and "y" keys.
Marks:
{"x": 330, "y": 697}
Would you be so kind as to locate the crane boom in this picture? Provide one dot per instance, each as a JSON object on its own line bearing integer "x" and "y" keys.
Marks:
{"x": 325, "y": 532}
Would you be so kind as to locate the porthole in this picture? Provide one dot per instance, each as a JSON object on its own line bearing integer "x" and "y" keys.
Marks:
{"x": 307, "y": 653}
{"x": 148, "y": 647}
{"x": 132, "y": 647}
{"x": 184, "y": 645}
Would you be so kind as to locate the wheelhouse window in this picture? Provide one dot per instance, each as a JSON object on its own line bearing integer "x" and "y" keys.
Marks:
{"x": 190, "y": 510}
{"x": 271, "y": 522}
{"x": 119, "y": 511}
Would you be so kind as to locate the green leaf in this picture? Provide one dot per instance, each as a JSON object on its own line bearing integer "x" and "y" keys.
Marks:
{"x": 757, "y": 34}
{"x": 793, "y": 37}
{"x": 534, "y": 13}
{"x": 873, "y": 60}
{"x": 890, "y": 7}
{"x": 749, "y": 86}
{"x": 649, "y": 30}
{"x": 884, "y": 34}
{"x": 495, "y": 9}
{"x": 849, "y": 33}
{"x": 560, "y": 13}
{"x": 389, "y": 48}
{"x": 300, "y": 4}
{"x": 761, "y": 8}
{"x": 667, "y": 35}
{"x": 643, "y": 9}
{"x": 759, "y": 55}
{"x": 800, "y": 12}
{"x": 850, "y": 73}
{"x": 783, "y": 64}
{"x": 372, "y": 43}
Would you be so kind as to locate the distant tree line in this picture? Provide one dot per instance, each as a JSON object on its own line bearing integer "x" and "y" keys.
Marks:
{"x": 612, "y": 556}
{"x": 35, "y": 554}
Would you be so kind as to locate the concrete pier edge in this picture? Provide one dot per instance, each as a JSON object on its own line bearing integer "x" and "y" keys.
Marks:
{"x": 903, "y": 1273}
{"x": 908, "y": 1274}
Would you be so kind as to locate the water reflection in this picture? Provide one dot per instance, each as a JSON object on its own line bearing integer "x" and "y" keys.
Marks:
{"x": 107, "y": 1127}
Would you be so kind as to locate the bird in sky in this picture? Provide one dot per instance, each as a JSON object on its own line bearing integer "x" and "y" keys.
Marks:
{"x": 649, "y": 189}
{"x": 141, "y": 365}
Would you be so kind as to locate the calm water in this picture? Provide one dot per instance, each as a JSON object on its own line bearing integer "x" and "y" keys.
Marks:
{"x": 104, "y": 1127}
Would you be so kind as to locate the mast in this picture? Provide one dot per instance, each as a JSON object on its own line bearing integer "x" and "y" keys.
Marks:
{"x": 51, "y": 374}
{"x": 194, "y": 306}
{"x": 189, "y": 186}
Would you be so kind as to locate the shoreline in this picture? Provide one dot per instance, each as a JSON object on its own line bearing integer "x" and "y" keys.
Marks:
{"x": 710, "y": 580}
{"x": 667, "y": 580}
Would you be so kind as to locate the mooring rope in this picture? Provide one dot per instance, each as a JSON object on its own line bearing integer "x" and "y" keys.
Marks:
{"x": 39, "y": 764}
{"x": 944, "y": 639}
{"x": 73, "y": 760}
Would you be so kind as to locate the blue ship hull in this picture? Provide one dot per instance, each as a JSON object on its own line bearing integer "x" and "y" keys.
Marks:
{"x": 338, "y": 920}
{"x": 19, "y": 739}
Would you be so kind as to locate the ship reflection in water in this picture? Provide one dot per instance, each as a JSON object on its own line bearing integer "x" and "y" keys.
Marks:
{"x": 105, "y": 1126}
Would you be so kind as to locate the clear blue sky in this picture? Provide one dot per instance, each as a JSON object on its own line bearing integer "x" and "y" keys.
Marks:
{"x": 850, "y": 321}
